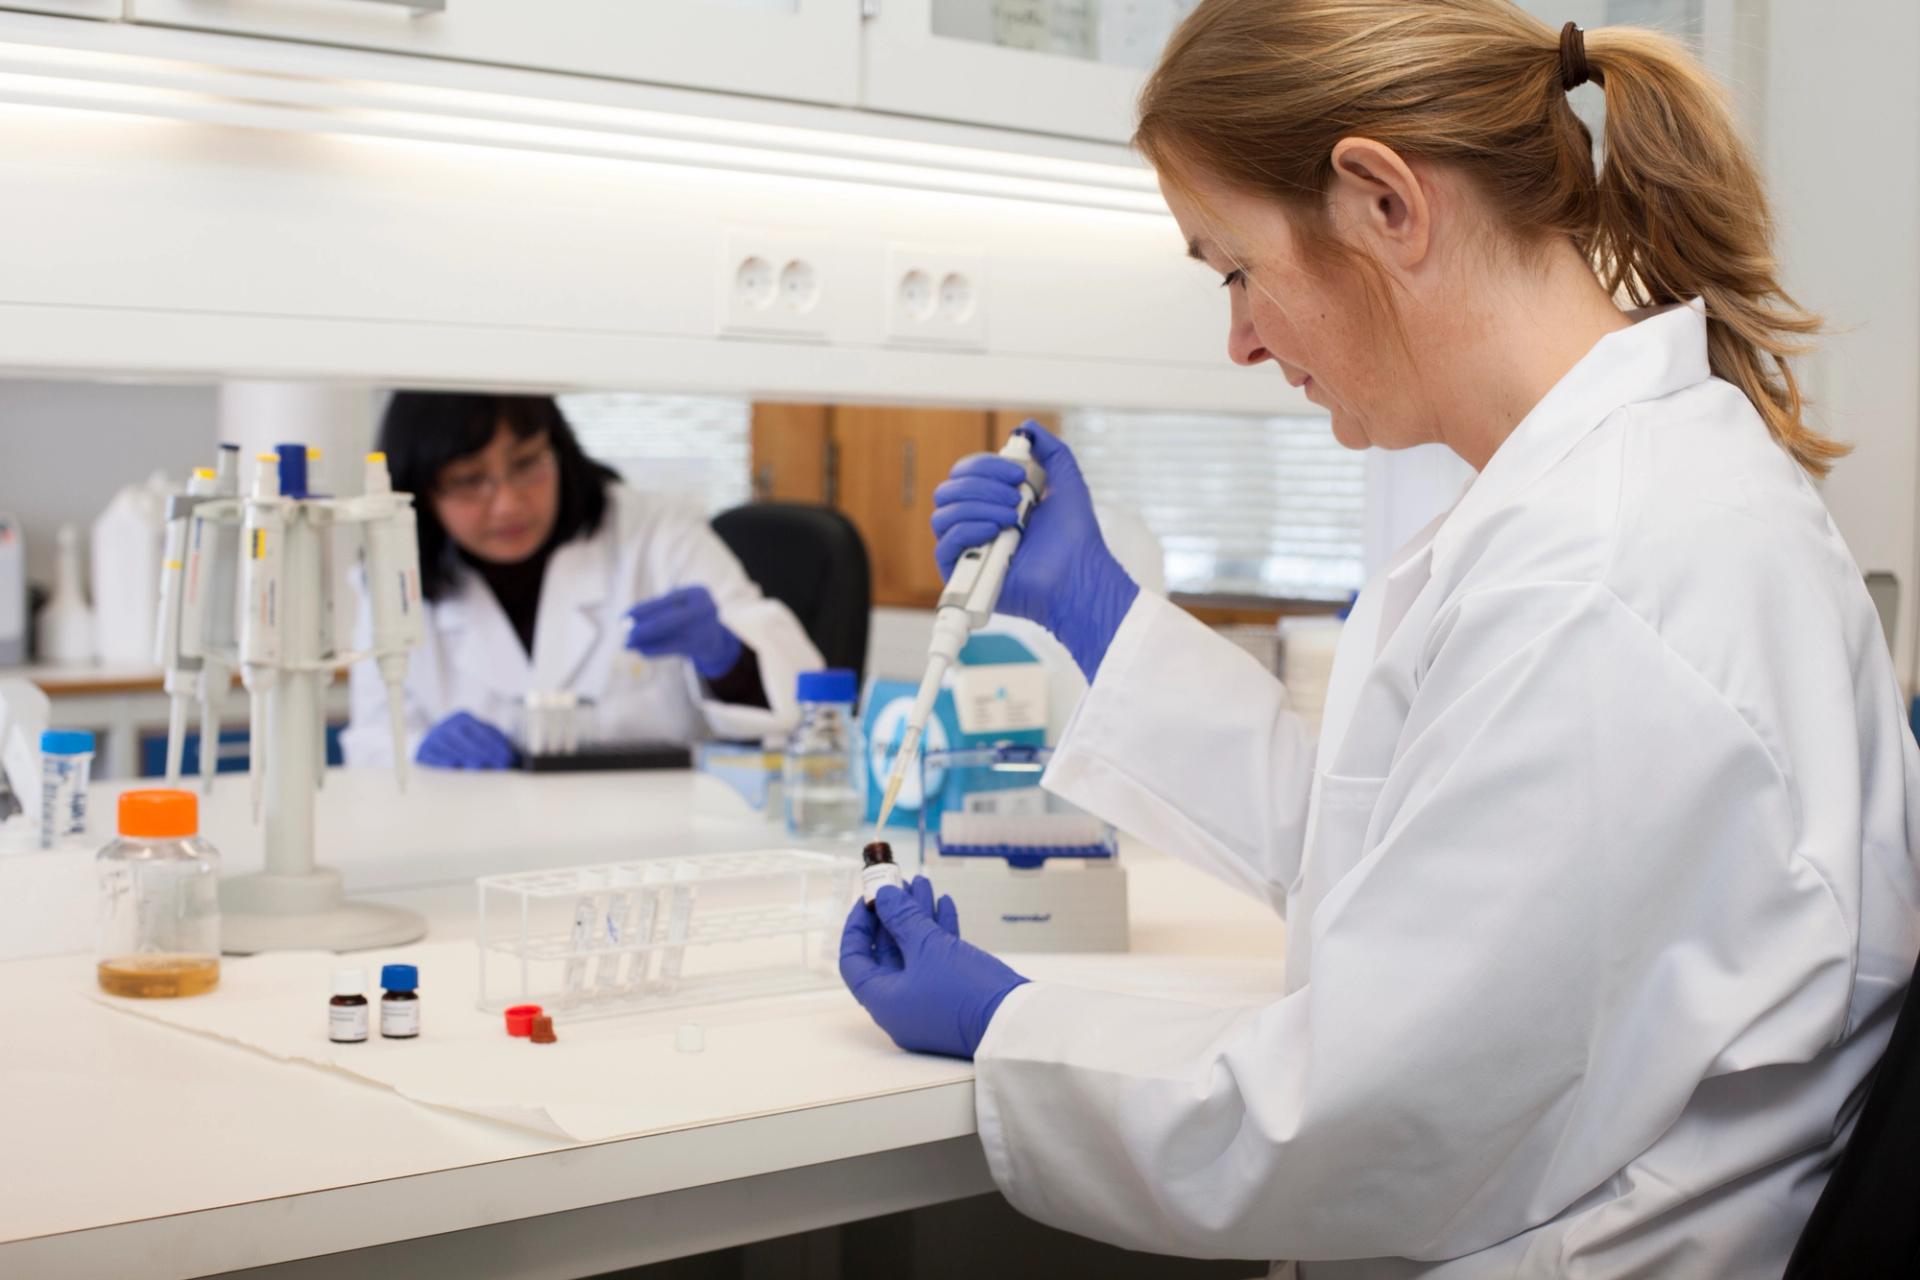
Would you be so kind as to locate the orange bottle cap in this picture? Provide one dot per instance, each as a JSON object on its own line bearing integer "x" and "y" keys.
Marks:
{"x": 159, "y": 812}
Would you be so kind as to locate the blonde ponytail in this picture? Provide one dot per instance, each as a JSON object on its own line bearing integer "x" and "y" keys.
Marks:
{"x": 1255, "y": 93}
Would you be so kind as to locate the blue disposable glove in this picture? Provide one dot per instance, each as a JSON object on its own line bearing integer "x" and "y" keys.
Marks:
{"x": 686, "y": 624}
{"x": 907, "y": 966}
{"x": 1062, "y": 577}
{"x": 463, "y": 741}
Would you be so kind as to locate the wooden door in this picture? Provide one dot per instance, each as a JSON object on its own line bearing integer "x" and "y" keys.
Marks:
{"x": 792, "y": 453}
{"x": 889, "y": 461}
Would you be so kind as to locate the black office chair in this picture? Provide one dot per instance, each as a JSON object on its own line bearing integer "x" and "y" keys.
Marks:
{"x": 1867, "y": 1222}
{"x": 813, "y": 560}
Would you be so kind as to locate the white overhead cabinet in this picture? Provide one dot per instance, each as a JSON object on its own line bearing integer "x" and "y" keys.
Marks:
{"x": 805, "y": 50}
{"x": 1071, "y": 67}
{"x": 72, "y": 8}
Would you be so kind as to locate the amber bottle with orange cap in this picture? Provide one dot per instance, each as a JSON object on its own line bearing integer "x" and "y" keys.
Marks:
{"x": 159, "y": 900}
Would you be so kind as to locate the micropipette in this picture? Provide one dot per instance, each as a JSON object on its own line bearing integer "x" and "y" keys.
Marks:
{"x": 260, "y": 564}
{"x": 393, "y": 588}
{"x": 218, "y": 547}
{"x": 972, "y": 591}
{"x": 176, "y": 658}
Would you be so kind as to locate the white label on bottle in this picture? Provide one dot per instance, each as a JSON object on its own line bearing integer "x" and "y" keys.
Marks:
{"x": 346, "y": 1023}
{"x": 400, "y": 1018}
{"x": 871, "y": 878}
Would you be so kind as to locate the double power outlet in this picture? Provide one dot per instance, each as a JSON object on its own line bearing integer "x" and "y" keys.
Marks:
{"x": 777, "y": 286}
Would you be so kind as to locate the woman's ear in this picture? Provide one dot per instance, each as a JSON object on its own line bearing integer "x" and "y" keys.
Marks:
{"x": 1377, "y": 197}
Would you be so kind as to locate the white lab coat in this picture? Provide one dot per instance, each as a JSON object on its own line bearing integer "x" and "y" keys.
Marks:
{"x": 1601, "y": 891}
{"x": 472, "y": 661}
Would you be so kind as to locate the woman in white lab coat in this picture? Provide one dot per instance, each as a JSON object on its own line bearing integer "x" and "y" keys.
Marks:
{"x": 543, "y": 573}
{"x": 1600, "y": 886}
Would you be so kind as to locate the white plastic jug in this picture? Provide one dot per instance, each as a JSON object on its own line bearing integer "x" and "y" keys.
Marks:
{"x": 129, "y": 540}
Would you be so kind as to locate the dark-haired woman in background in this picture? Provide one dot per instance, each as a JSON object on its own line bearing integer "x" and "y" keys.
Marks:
{"x": 543, "y": 573}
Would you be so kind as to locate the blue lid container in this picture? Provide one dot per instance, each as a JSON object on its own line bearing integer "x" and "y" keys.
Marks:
{"x": 399, "y": 977}
{"x": 837, "y": 685}
{"x": 66, "y": 742}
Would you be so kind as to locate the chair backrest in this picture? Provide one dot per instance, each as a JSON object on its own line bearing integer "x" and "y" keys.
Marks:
{"x": 813, "y": 560}
{"x": 1867, "y": 1222}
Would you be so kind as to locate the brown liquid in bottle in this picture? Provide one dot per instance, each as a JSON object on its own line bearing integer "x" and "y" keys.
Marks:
{"x": 159, "y": 976}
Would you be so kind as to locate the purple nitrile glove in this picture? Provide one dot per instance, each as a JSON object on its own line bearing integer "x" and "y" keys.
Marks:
{"x": 1062, "y": 577}
{"x": 684, "y": 623}
{"x": 464, "y": 741}
{"x": 908, "y": 967}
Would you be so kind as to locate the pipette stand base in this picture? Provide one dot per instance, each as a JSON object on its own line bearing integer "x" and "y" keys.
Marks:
{"x": 267, "y": 912}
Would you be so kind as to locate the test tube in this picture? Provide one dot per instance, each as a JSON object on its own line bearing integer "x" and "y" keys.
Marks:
{"x": 679, "y": 925}
{"x": 637, "y": 972}
{"x": 585, "y": 915}
{"x": 66, "y": 767}
{"x": 613, "y": 931}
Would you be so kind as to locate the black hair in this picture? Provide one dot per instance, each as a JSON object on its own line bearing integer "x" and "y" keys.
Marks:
{"x": 423, "y": 432}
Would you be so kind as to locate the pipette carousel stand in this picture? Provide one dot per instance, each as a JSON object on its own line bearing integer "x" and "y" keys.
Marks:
{"x": 286, "y": 658}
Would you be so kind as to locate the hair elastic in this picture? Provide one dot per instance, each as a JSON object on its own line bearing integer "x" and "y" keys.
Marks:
{"x": 1574, "y": 70}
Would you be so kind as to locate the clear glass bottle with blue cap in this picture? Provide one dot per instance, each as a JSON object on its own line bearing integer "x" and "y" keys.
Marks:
{"x": 66, "y": 768}
{"x": 824, "y": 779}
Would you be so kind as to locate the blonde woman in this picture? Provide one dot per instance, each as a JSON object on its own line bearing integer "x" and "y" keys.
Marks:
{"x": 1600, "y": 885}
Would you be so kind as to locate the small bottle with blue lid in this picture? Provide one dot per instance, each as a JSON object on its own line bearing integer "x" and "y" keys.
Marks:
{"x": 400, "y": 1006}
{"x": 824, "y": 778}
{"x": 66, "y": 768}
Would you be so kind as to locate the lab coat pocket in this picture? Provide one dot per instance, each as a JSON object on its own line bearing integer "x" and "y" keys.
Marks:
{"x": 1342, "y": 811}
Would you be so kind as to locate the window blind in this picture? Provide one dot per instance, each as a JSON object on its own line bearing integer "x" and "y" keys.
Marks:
{"x": 695, "y": 450}
{"x": 1242, "y": 505}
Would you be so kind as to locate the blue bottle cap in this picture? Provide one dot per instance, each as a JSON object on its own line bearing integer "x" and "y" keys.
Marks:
{"x": 399, "y": 977}
{"x": 66, "y": 742}
{"x": 836, "y": 685}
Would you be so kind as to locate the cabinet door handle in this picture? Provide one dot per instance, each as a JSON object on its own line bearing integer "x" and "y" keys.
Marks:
{"x": 909, "y": 467}
{"x": 418, "y": 6}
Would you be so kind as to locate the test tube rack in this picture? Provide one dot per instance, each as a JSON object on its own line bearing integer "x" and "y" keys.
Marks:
{"x": 659, "y": 933}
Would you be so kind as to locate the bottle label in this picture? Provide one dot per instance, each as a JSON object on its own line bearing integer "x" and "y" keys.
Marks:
{"x": 346, "y": 1023}
{"x": 400, "y": 1018}
{"x": 871, "y": 878}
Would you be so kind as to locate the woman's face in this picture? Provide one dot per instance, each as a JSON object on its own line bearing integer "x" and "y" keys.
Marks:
{"x": 1315, "y": 325}
{"x": 500, "y": 503}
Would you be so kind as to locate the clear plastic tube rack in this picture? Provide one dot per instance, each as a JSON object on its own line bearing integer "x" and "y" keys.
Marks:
{"x": 662, "y": 932}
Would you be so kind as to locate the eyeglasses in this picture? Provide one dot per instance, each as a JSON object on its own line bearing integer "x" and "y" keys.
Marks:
{"x": 479, "y": 487}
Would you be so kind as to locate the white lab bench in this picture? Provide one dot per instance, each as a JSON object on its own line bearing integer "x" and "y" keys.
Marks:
{"x": 135, "y": 1148}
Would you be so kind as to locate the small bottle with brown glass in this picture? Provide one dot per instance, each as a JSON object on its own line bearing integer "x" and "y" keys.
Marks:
{"x": 347, "y": 1011}
{"x": 400, "y": 1006}
{"x": 879, "y": 868}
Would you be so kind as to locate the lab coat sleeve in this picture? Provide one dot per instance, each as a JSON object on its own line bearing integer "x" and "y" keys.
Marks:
{"x": 368, "y": 738}
{"x": 1184, "y": 741}
{"x": 1578, "y": 897}
{"x": 764, "y": 625}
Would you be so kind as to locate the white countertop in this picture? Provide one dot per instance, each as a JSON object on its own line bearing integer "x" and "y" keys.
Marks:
{"x": 131, "y": 1140}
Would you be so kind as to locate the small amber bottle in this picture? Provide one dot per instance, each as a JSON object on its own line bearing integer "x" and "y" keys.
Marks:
{"x": 347, "y": 1011}
{"x": 879, "y": 869}
{"x": 400, "y": 1006}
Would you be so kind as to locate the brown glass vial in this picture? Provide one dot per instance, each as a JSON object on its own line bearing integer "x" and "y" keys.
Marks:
{"x": 347, "y": 1011}
{"x": 879, "y": 869}
{"x": 400, "y": 1006}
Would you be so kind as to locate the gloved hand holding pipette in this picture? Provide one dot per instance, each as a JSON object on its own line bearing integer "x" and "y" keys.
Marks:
{"x": 905, "y": 962}
{"x": 1062, "y": 577}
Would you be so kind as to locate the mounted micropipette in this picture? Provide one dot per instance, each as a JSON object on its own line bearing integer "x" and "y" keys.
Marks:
{"x": 972, "y": 591}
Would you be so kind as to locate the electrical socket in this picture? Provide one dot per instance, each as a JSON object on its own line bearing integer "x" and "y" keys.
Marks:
{"x": 936, "y": 297}
{"x": 774, "y": 285}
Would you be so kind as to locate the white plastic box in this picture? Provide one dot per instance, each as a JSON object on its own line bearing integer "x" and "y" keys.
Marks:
{"x": 662, "y": 932}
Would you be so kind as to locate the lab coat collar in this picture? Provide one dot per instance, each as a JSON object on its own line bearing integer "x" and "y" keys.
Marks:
{"x": 1656, "y": 356}
{"x": 572, "y": 607}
